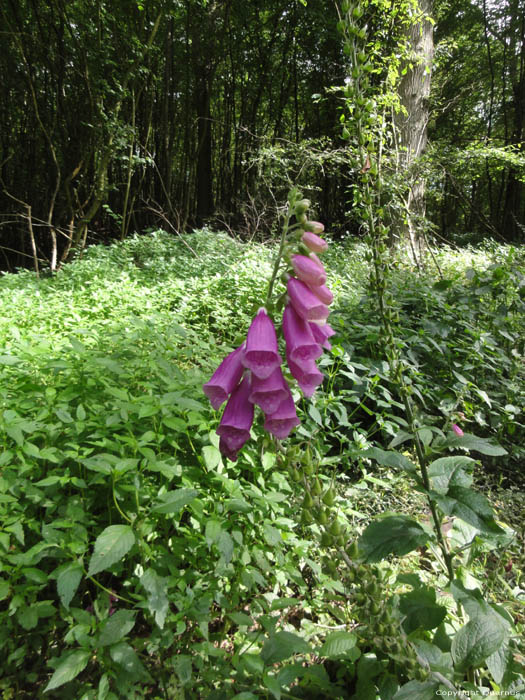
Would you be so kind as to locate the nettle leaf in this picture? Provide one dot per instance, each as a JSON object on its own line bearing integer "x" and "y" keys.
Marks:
{"x": 173, "y": 501}
{"x": 417, "y": 689}
{"x": 437, "y": 659}
{"x": 338, "y": 644}
{"x": 68, "y": 581}
{"x": 470, "y": 506}
{"x": 281, "y": 646}
{"x": 124, "y": 655}
{"x": 394, "y": 534}
{"x": 477, "y": 640}
{"x": 111, "y": 546}
{"x": 69, "y": 668}
{"x": 450, "y": 471}
{"x": 117, "y": 627}
{"x": 156, "y": 587}
{"x": 212, "y": 457}
{"x": 477, "y": 444}
{"x": 421, "y": 610}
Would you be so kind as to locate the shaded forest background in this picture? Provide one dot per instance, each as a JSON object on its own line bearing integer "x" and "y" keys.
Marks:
{"x": 116, "y": 117}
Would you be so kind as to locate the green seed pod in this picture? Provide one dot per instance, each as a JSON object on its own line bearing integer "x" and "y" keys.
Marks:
{"x": 296, "y": 475}
{"x": 326, "y": 539}
{"x": 316, "y": 487}
{"x": 335, "y": 528}
{"x": 341, "y": 540}
{"x": 323, "y": 518}
{"x": 329, "y": 497}
{"x": 308, "y": 501}
{"x": 308, "y": 469}
{"x": 353, "y": 550}
{"x": 306, "y": 518}
{"x": 375, "y": 608}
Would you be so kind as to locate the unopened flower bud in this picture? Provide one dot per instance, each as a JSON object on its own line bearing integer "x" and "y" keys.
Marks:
{"x": 314, "y": 226}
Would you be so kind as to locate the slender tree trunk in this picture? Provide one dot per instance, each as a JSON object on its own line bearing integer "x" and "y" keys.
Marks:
{"x": 414, "y": 91}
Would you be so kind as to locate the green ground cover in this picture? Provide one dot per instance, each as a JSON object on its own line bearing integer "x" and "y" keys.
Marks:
{"x": 137, "y": 562}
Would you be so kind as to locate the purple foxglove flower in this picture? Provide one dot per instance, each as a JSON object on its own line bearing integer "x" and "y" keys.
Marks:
{"x": 307, "y": 375}
{"x": 225, "y": 378}
{"x": 261, "y": 354}
{"x": 321, "y": 333}
{"x": 269, "y": 393}
{"x": 314, "y": 226}
{"x": 322, "y": 293}
{"x": 312, "y": 241}
{"x": 304, "y": 301}
{"x": 237, "y": 418}
{"x": 300, "y": 342}
{"x": 457, "y": 430}
{"x": 284, "y": 420}
{"x": 308, "y": 270}
{"x": 226, "y": 451}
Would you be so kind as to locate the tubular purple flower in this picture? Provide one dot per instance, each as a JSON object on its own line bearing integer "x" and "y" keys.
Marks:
{"x": 305, "y": 302}
{"x": 225, "y": 378}
{"x": 308, "y": 270}
{"x": 307, "y": 375}
{"x": 261, "y": 354}
{"x": 237, "y": 418}
{"x": 321, "y": 333}
{"x": 284, "y": 420}
{"x": 312, "y": 241}
{"x": 457, "y": 430}
{"x": 226, "y": 451}
{"x": 322, "y": 293}
{"x": 269, "y": 393}
{"x": 300, "y": 342}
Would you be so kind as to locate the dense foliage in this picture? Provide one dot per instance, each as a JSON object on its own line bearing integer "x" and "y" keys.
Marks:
{"x": 135, "y": 561}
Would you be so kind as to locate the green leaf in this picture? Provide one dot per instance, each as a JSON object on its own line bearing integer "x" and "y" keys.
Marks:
{"x": 67, "y": 583}
{"x": 281, "y": 646}
{"x": 437, "y": 659}
{"x": 417, "y": 689}
{"x": 421, "y": 610}
{"x": 212, "y": 531}
{"x": 111, "y": 546}
{"x": 183, "y": 668}
{"x": 394, "y": 534}
{"x": 450, "y": 471}
{"x": 314, "y": 414}
{"x": 470, "y": 506}
{"x": 27, "y": 616}
{"x": 241, "y": 619}
{"x": 225, "y": 546}
{"x": 337, "y": 644}
{"x": 173, "y": 501}
{"x": 471, "y": 442}
{"x": 212, "y": 457}
{"x": 117, "y": 627}
{"x": 124, "y": 655}
{"x": 477, "y": 640}
{"x": 156, "y": 587}
{"x": 389, "y": 458}
{"x": 69, "y": 668}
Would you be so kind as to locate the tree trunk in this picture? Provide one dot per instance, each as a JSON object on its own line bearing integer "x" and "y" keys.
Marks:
{"x": 414, "y": 90}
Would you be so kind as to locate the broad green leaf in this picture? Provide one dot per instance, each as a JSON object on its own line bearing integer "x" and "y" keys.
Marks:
{"x": 225, "y": 546}
{"x": 212, "y": 531}
{"x": 337, "y": 644}
{"x": 421, "y": 610}
{"x": 394, "y": 534}
{"x": 281, "y": 646}
{"x": 389, "y": 458}
{"x": 116, "y": 627}
{"x": 68, "y": 581}
{"x": 69, "y": 668}
{"x": 111, "y": 546}
{"x": 241, "y": 619}
{"x": 124, "y": 655}
{"x": 183, "y": 668}
{"x": 252, "y": 664}
{"x": 314, "y": 414}
{"x": 156, "y": 587}
{"x": 437, "y": 659}
{"x": 471, "y": 442}
{"x": 173, "y": 501}
{"x": 477, "y": 640}
{"x": 10, "y": 360}
{"x": 450, "y": 471}
{"x": 470, "y": 506}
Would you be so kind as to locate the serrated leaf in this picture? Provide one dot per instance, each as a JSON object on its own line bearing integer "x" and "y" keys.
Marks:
{"x": 69, "y": 668}
{"x": 27, "y": 617}
{"x": 67, "y": 583}
{"x": 173, "y": 501}
{"x": 281, "y": 646}
{"x": 314, "y": 414}
{"x": 337, "y": 644}
{"x": 477, "y": 640}
{"x": 111, "y": 546}
{"x": 117, "y": 627}
{"x": 417, "y": 689}
{"x": 124, "y": 655}
{"x": 389, "y": 458}
{"x": 241, "y": 619}
{"x": 212, "y": 457}
{"x": 183, "y": 668}
{"x": 225, "y": 546}
{"x": 156, "y": 587}
{"x": 395, "y": 534}
{"x": 212, "y": 531}
{"x": 470, "y": 506}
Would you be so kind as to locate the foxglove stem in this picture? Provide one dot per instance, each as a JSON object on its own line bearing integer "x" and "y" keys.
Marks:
{"x": 279, "y": 257}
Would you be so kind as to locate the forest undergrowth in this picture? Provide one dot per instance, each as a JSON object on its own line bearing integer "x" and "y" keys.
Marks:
{"x": 137, "y": 561}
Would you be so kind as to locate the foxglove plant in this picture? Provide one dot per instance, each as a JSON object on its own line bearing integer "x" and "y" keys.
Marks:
{"x": 253, "y": 373}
